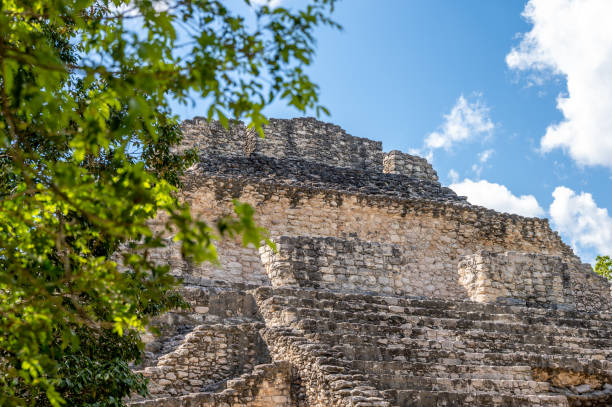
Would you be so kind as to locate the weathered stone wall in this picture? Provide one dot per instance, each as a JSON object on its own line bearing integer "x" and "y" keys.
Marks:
{"x": 211, "y": 302}
{"x": 590, "y": 291}
{"x": 207, "y": 355}
{"x": 516, "y": 278}
{"x": 305, "y": 138}
{"x": 396, "y": 162}
{"x": 302, "y": 173}
{"x": 352, "y": 266}
{"x": 267, "y": 385}
{"x": 433, "y": 234}
{"x": 238, "y": 264}
{"x": 534, "y": 280}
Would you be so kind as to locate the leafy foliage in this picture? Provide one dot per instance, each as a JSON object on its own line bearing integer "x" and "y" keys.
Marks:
{"x": 87, "y": 161}
{"x": 603, "y": 267}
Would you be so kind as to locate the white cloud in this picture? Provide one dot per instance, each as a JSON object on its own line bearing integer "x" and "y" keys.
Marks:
{"x": 573, "y": 39}
{"x": 578, "y": 218}
{"x": 130, "y": 9}
{"x": 269, "y": 3}
{"x": 426, "y": 154}
{"x": 498, "y": 197}
{"x": 484, "y": 156}
{"x": 453, "y": 176}
{"x": 465, "y": 121}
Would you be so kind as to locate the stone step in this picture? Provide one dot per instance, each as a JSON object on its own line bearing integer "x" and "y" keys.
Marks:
{"x": 549, "y": 320}
{"x": 454, "y": 357}
{"x": 373, "y": 302}
{"x": 279, "y": 314}
{"x": 263, "y": 293}
{"x": 593, "y": 337}
{"x": 447, "y": 353}
{"x": 442, "y": 363}
{"x": 385, "y": 320}
{"x": 443, "y": 370}
{"x": 445, "y": 374}
{"x": 411, "y": 398}
{"x": 375, "y": 330}
{"x": 498, "y": 314}
{"x": 463, "y": 385}
{"x": 491, "y": 341}
{"x": 594, "y": 399}
{"x": 532, "y": 336}
{"x": 389, "y": 346}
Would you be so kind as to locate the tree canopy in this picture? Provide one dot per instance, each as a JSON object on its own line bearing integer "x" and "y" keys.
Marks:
{"x": 87, "y": 161}
{"x": 603, "y": 266}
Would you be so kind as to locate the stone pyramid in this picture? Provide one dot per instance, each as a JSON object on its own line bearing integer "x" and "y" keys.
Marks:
{"x": 386, "y": 288}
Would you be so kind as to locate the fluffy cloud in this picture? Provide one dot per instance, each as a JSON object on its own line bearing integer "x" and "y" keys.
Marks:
{"x": 498, "y": 197}
{"x": 270, "y": 3}
{"x": 466, "y": 120}
{"x": 578, "y": 218}
{"x": 573, "y": 39}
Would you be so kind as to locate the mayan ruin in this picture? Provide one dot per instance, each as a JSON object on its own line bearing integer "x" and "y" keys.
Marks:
{"x": 385, "y": 289}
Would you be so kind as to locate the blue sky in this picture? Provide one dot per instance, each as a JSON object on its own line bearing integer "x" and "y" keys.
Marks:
{"x": 440, "y": 78}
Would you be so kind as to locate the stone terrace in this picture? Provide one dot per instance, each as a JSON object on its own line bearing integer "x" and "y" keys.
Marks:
{"x": 434, "y": 352}
{"x": 386, "y": 288}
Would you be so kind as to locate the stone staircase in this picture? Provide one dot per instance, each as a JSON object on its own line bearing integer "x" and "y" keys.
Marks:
{"x": 207, "y": 356}
{"x": 210, "y": 302}
{"x": 199, "y": 348}
{"x": 427, "y": 352}
{"x": 266, "y": 385}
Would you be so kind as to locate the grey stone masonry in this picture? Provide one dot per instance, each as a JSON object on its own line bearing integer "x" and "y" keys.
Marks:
{"x": 396, "y": 162}
{"x": 535, "y": 280}
{"x": 354, "y": 266}
{"x": 305, "y": 139}
{"x": 302, "y": 173}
